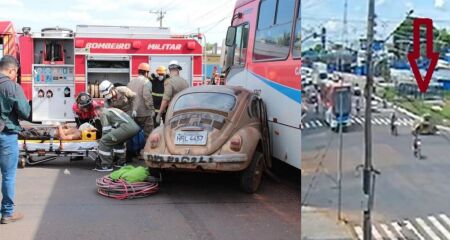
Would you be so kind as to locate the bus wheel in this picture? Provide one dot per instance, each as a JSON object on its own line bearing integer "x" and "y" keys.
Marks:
{"x": 250, "y": 178}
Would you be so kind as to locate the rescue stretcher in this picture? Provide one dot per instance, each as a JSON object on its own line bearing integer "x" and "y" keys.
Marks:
{"x": 32, "y": 152}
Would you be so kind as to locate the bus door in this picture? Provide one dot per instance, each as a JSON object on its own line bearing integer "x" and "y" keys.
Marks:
{"x": 236, "y": 54}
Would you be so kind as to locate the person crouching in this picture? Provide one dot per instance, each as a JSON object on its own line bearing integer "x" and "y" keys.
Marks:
{"x": 118, "y": 127}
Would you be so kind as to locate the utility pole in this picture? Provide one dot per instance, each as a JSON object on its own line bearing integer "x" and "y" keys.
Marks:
{"x": 368, "y": 171}
{"x": 160, "y": 15}
{"x": 340, "y": 155}
{"x": 344, "y": 29}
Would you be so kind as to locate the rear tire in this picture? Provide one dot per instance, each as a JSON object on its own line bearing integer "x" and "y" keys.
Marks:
{"x": 250, "y": 178}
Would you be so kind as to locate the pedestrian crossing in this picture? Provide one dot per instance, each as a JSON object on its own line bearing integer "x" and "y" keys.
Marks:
{"x": 380, "y": 121}
{"x": 427, "y": 228}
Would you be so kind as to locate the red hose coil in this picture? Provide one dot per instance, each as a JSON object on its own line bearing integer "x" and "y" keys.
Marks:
{"x": 122, "y": 190}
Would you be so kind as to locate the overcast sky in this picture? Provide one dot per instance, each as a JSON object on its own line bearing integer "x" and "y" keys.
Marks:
{"x": 183, "y": 16}
{"x": 390, "y": 13}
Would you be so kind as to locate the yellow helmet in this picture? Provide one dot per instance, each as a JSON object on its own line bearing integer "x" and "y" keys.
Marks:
{"x": 161, "y": 70}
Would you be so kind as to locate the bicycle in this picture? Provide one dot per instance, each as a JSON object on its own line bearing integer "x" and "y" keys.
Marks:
{"x": 394, "y": 129}
{"x": 417, "y": 148}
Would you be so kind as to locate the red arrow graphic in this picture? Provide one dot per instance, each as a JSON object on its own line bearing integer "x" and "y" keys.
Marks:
{"x": 413, "y": 56}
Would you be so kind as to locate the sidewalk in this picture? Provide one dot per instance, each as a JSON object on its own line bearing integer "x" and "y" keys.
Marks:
{"x": 317, "y": 224}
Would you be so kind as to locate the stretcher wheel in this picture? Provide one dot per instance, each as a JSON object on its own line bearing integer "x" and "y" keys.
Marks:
{"x": 22, "y": 162}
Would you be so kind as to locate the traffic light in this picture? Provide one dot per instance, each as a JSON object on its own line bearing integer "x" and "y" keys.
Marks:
{"x": 324, "y": 37}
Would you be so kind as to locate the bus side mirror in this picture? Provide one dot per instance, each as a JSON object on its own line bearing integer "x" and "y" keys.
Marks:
{"x": 231, "y": 35}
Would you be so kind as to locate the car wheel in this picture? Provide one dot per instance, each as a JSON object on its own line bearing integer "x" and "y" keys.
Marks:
{"x": 251, "y": 177}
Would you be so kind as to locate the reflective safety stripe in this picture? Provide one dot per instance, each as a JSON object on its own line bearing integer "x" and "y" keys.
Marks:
{"x": 119, "y": 150}
{"x": 157, "y": 94}
{"x": 104, "y": 153}
{"x": 157, "y": 110}
{"x": 106, "y": 128}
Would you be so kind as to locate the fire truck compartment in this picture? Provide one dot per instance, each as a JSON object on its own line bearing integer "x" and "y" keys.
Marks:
{"x": 113, "y": 68}
{"x": 53, "y": 51}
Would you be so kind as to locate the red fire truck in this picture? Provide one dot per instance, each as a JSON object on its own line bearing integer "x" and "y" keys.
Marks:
{"x": 57, "y": 63}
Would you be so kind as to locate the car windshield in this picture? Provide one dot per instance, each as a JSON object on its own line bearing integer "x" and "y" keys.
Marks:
{"x": 218, "y": 101}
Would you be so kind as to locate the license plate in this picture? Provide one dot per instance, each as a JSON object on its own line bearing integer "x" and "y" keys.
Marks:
{"x": 191, "y": 138}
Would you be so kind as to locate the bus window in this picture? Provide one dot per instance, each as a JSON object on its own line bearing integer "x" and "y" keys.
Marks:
{"x": 240, "y": 50}
{"x": 297, "y": 41}
{"x": 273, "y": 34}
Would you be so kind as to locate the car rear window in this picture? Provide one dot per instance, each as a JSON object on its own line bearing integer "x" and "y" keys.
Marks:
{"x": 217, "y": 101}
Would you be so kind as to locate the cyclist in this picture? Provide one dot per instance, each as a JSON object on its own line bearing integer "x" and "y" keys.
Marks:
{"x": 416, "y": 146}
{"x": 394, "y": 130}
{"x": 357, "y": 106}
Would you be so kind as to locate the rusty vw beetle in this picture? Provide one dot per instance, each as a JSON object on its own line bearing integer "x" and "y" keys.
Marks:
{"x": 214, "y": 129}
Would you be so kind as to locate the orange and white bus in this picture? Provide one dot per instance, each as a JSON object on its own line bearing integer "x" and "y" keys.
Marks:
{"x": 263, "y": 54}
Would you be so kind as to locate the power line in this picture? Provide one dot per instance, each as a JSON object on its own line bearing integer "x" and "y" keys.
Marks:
{"x": 215, "y": 25}
{"x": 160, "y": 14}
{"x": 219, "y": 7}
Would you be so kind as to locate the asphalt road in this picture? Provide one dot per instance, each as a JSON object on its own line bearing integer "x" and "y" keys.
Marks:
{"x": 63, "y": 204}
{"x": 410, "y": 191}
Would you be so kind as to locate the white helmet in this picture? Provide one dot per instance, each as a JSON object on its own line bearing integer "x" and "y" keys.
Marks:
{"x": 174, "y": 65}
{"x": 105, "y": 89}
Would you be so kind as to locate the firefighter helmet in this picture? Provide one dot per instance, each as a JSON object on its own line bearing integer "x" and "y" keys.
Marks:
{"x": 84, "y": 100}
{"x": 144, "y": 67}
{"x": 105, "y": 89}
{"x": 161, "y": 70}
{"x": 174, "y": 65}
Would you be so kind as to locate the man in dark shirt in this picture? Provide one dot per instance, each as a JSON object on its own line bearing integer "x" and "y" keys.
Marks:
{"x": 158, "y": 81}
{"x": 13, "y": 106}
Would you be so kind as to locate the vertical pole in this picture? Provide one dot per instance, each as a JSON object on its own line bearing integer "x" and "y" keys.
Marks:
{"x": 340, "y": 160}
{"x": 368, "y": 169}
{"x": 160, "y": 18}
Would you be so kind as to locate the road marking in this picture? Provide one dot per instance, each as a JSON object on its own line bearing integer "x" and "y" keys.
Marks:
{"x": 376, "y": 234}
{"x": 398, "y": 229}
{"x": 439, "y": 226}
{"x": 352, "y": 120}
{"x": 378, "y": 122}
{"x": 401, "y": 122}
{"x": 445, "y": 218}
{"x": 427, "y": 229}
{"x": 410, "y": 121}
{"x": 413, "y": 229}
{"x": 386, "y": 121}
{"x": 319, "y": 123}
{"x": 359, "y": 232}
{"x": 373, "y": 121}
{"x": 387, "y": 231}
{"x": 306, "y": 125}
{"x": 358, "y": 120}
{"x": 312, "y": 124}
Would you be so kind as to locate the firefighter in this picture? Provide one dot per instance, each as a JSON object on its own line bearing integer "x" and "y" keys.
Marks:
{"x": 172, "y": 86}
{"x": 119, "y": 97}
{"x": 158, "y": 81}
{"x": 118, "y": 127}
{"x": 144, "y": 100}
{"x": 84, "y": 112}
